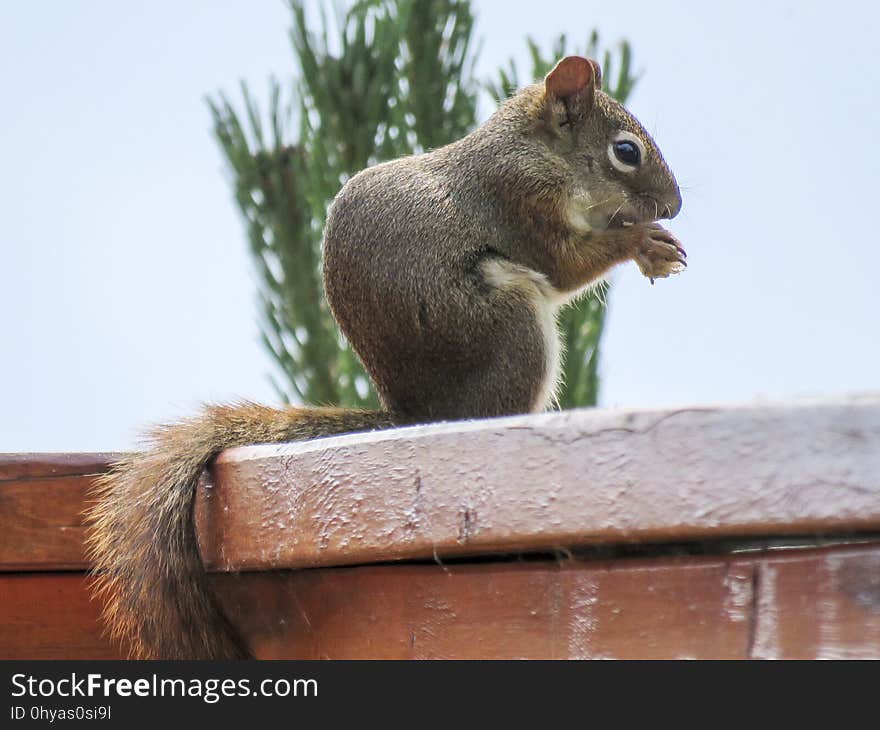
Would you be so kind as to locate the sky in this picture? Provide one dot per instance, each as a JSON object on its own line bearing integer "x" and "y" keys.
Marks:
{"x": 127, "y": 296}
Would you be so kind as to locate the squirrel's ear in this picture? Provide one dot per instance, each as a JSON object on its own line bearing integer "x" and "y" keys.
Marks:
{"x": 575, "y": 78}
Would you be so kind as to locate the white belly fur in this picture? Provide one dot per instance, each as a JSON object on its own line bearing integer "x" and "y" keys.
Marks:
{"x": 546, "y": 302}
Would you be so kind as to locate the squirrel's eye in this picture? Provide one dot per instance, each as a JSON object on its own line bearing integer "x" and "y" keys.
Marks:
{"x": 627, "y": 153}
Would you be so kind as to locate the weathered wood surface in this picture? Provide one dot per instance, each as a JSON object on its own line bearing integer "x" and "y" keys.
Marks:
{"x": 512, "y": 485}
{"x": 539, "y": 482}
{"x": 822, "y": 603}
{"x": 14, "y": 467}
{"x": 42, "y": 497}
{"x": 810, "y": 604}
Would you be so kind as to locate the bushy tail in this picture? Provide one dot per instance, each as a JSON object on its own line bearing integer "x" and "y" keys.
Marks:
{"x": 141, "y": 536}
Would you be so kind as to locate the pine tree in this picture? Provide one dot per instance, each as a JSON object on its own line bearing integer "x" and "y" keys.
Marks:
{"x": 384, "y": 79}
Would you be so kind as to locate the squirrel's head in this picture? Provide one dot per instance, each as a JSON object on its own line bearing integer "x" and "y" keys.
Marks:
{"x": 618, "y": 176}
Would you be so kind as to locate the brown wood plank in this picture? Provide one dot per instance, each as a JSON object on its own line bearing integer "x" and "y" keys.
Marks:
{"x": 823, "y": 605}
{"x": 43, "y": 465}
{"x": 538, "y": 482}
{"x": 50, "y": 616}
{"x": 528, "y": 483}
{"x": 646, "y": 608}
{"x": 41, "y": 523}
{"x": 42, "y": 497}
{"x": 535, "y": 610}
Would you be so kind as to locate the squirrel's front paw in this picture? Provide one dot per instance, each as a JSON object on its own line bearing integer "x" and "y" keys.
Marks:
{"x": 658, "y": 253}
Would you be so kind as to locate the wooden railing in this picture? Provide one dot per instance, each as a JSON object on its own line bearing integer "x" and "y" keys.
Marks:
{"x": 703, "y": 532}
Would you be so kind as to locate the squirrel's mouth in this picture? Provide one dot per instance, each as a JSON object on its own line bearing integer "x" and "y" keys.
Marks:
{"x": 623, "y": 219}
{"x": 616, "y": 221}
{"x": 638, "y": 210}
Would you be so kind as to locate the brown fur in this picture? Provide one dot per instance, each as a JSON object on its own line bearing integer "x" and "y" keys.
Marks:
{"x": 406, "y": 249}
{"x": 142, "y": 541}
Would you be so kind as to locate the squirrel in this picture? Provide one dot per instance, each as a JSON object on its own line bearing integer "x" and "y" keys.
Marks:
{"x": 444, "y": 271}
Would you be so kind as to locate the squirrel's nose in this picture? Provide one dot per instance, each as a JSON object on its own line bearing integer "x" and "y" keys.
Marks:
{"x": 673, "y": 203}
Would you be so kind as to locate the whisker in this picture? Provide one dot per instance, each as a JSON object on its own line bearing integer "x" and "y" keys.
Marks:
{"x": 601, "y": 202}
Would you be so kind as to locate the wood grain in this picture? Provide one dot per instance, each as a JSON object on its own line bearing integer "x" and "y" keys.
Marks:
{"x": 822, "y": 603}
{"x": 539, "y": 482}
{"x": 41, "y": 523}
{"x": 529, "y": 483}
{"x": 825, "y": 605}
{"x": 44, "y": 465}
{"x": 501, "y": 487}
{"x": 702, "y": 608}
{"x": 42, "y": 497}
{"x": 50, "y": 616}
{"x": 540, "y": 610}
